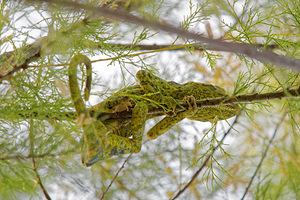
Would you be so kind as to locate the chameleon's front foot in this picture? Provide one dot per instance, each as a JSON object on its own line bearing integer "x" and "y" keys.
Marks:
{"x": 169, "y": 121}
{"x": 192, "y": 105}
{"x": 171, "y": 105}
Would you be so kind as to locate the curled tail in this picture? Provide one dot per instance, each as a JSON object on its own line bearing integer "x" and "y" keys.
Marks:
{"x": 73, "y": 84}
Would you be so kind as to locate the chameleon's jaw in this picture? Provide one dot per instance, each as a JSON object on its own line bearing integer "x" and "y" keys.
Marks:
{"x": 91, "y": 155}
{"x": 91, "y": 161}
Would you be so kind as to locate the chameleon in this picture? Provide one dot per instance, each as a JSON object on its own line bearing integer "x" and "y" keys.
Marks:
{"x": 107, "y": 137}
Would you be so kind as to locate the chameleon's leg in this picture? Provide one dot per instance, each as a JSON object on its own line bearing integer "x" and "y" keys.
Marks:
{"x": 129, "y": 138}
{"x": 92, "y": 139}
{"x": 210, "y": 113}
{"x": 126, "y": 138}
{"x": 99, "y": 144}
{"x": 139, "y": 117}
{"x": 169, "y": 121}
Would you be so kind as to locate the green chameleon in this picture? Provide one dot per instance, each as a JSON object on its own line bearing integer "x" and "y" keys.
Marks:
{"x": 107, "y": 137}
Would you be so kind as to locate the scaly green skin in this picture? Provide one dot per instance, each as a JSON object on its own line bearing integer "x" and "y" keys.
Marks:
{"x": 74, "y": 89}
{"x": 125, "y": 135}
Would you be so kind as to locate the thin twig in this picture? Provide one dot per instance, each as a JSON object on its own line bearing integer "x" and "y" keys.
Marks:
{"x": 218, "y": 44}
{"x": 30, "y": 156}
{"x": 263, "y": 156}
{"x": 115, "y": 177}
{"x": 162, "y": 48}
{"x": 169, "y": 47}
{"x": 206, "y": 160}
{"x": 37, "y": 47}
{"x": 39, "y": 181}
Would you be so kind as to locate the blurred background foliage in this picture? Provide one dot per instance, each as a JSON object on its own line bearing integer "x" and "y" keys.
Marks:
{"x": 35, "y": 120}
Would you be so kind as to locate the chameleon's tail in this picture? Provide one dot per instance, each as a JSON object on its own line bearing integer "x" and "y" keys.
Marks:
{"x": 74, "y": 89}
{"x": 77, "y": 99}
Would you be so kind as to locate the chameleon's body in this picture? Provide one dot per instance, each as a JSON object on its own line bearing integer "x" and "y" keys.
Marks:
{"x": 109, "y": 137}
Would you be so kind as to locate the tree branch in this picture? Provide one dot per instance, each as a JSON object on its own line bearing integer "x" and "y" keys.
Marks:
{"x": 33, "y": 52}
{"x": 39, "y": 179}
{"x": 158, "y": 111}
{"x": 196, "y": 46}
{"x": 115, "y": 177}
{"x": 11, "y": 65}
{"x": 218, "y": 44}
{"x": 226, "y": 100}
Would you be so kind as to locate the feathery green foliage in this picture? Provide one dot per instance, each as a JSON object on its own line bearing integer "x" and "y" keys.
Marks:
{"x": 38, "y": 126}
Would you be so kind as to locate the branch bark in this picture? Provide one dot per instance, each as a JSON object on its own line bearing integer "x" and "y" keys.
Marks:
{"x": 11, "y": 63}
{"x": 196, "y": 46}
{"x": 155, "y": 111}
{"x": 115, "y": 177}
{"x": 218, "y": 44}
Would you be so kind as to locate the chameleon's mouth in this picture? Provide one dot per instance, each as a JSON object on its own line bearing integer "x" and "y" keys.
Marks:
{"x": 92, "y": 161}
{"x": 102, "y": 155}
